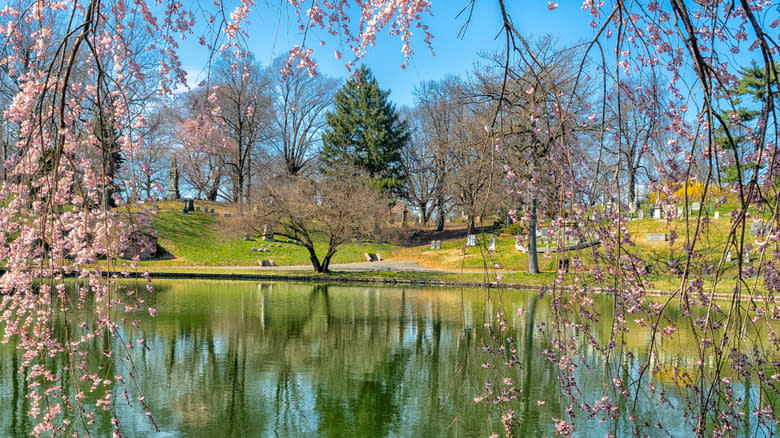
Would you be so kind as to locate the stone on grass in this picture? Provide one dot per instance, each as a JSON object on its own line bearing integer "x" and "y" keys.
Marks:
{"x": 655, "y": 237}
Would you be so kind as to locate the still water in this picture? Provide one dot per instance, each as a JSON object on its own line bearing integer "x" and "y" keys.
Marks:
{"x": 242, "y": 359}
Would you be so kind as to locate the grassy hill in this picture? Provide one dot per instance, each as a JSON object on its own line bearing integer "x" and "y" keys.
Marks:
{"x": 200, "y": 239}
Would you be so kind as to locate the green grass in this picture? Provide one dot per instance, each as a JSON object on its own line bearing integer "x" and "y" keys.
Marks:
{"x": 200, "y": 243}
{"x": 200, "y": 239}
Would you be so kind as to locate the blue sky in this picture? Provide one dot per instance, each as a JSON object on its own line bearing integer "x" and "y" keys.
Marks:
{"x": 273, "y": 32}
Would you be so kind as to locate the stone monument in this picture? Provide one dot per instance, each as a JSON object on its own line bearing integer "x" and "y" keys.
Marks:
{"x": 268, "y": 233}
{"x": 173, "y": 188}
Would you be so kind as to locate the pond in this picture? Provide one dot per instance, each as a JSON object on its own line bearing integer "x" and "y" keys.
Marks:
{"x": 242, "y": 359}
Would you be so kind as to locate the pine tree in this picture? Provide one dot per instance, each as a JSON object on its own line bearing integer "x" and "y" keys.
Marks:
{"x": 748, "y": 102}
{"x": 365, "y": 130}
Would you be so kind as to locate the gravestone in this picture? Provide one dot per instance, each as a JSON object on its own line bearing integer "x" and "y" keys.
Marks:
{"x": 746, "y": 257}
{"x": 268, "y": 232}
{"x": 717, "y": 215}
{"x": 657, "y": 213}
{"x": 266, "y": 263}
{"x": 548, "y": 251}
{"x": 655, "y": 237}
{"x": 226, "y": 215}
{"x": 197, "y": 208}
{"x": 370, "y": 257}
{"x": 190, "y": 205}
{"x": 435, "y": 244}
{"x": 184, "y": 211}
{"x": 246, "y": 236}
{"x": 404, "y": 216}
{"x": 212, "y": 210}
{"x": 641, "y": 214}
{"x": 695, "y": 206}
{"x": 214, "y": 215}
{"x": 492, "y": 244}
{"x": 729, "y": 256}
{"x": 679, "y": 212}
{"x": 520, "y": 247}
{"x": 471, "y": 240}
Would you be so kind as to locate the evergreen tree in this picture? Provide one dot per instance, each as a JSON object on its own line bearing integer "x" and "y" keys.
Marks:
{"x": 747, "y": 107}
{"x": 365, "y": 130}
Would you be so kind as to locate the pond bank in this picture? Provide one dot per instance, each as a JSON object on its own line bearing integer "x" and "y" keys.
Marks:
{"x": 397, "y": 273}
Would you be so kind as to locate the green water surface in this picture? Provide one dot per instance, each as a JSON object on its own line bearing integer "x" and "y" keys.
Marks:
{"x": 246, "y": 359}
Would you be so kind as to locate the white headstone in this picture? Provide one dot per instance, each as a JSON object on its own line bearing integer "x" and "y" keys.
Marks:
{"x": 695, "y": 206}
{"x": 657, "y": 213}
{"x": 492, "y": 244}
{"x": 717, "y": 215}
{"x": 641, "y": 214}
{"x": 655, "y": 237}
{"x": 679, "y": 212}
{"x": 729, "y": 256}
{"x": 746, "y": 258}
{"x": 471, "y": 240}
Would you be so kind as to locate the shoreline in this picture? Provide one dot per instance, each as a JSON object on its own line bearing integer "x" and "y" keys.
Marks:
{"x": 334, "y": 278}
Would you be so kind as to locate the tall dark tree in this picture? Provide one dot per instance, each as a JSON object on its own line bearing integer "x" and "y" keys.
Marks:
{"x": 739, "y": 116}
{"x": 365, "y": 129}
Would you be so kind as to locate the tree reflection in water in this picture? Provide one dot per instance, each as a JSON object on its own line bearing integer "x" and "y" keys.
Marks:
{"x": 237, "y": 359}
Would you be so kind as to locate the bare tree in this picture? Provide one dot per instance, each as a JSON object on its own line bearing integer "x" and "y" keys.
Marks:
{"x": 437, "y": 109}
{"x": 539, "y": 110}
{"x": 244, "y": 106}
{"x": 472, "y": 167}
{"x": 329, "y": 211}
{"x": 635, "y": 128}
{"x": 417, "y": 159}
{"x": 299, "y": 105}
{"x": 153, "y": 158}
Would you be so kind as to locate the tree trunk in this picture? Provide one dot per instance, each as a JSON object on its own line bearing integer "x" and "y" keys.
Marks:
{"x": 470, "y": 222}
{"x": 238, "y": 189}
{"x": 533, "y": 259}
{"x": 315, "y": 261}
{"x": 326, "y": 259}
{"x": 440, "y": 213}
{"x": 214, "y": 190}
{"x": 248, "y": 192}
{"x": 423, "y": 206}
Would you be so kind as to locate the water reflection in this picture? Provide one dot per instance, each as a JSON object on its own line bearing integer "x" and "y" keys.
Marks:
{"x": 240, "y": 359}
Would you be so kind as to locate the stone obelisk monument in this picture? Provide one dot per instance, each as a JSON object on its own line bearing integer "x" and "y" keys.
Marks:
{"x": 173, "y": 187}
